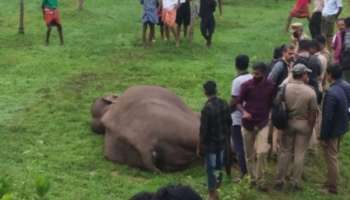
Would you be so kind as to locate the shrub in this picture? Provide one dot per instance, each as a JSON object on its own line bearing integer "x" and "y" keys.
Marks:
{"x": 42, "y": 185}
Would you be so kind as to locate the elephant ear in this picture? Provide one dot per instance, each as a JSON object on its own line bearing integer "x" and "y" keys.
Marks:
{"x": 110, "y": 99}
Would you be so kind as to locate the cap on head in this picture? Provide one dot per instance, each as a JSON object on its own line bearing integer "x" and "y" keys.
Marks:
{"x": 299, "y": 69}
{"x": 296, "y": 26}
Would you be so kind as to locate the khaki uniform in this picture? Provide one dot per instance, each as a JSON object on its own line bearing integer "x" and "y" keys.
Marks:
{"x": 301, "y": 101}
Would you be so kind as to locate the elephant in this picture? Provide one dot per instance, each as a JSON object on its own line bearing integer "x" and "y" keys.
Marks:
{"x": 147, "y": 127}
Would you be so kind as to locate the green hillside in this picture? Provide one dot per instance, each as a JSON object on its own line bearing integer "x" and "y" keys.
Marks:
{"x": 46, "y": 93}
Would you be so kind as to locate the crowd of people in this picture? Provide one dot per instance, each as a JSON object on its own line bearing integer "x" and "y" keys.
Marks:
{"x": 176, "y": 16}
{"x": 321, "y": 19}
{"x": 305, "y": 78}
{"x": 305, "y": 75}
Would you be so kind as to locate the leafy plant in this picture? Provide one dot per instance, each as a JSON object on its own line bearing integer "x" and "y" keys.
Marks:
{"x": 5, "y": 186}
{"x": 7, "y": 196}
{"x": 42, "y": 185}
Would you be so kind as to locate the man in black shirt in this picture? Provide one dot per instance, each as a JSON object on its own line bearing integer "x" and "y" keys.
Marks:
{"x": 206, "y": 13}
{"x": 214, "y": 129}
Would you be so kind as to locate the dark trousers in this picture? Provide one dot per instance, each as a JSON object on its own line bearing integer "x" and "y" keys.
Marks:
{"x": 207, "y": 27}
{"x": 239, "y": 148}
{"x": 315, "y": 24}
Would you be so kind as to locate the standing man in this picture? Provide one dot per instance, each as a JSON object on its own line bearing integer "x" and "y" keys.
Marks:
{"x": 316, "y": 18}
{"x": 214, "y": 128}
{"x": 206, "y": 13}
{"x": 52, "y": 18}
{"x": 330, "y": 13}
{"x": 337, "y": 42}
{"x": 255, "y": 101}
{"x": 345, "y": 51}
{"x": 194, "y": 15}
{"x": 300, "y": 10}
{"x": 305, "y": 56}
{"x": 279, "y": 73}
{"x": 242, "y": 63}
{"x": 302, "y": 110}
{"x": 183, "y": 17}
{"x": 168, "y": 8}
{"x": 335, "y": 120}
{"x": 280, "y": 69}
{"x": 149, "y": 19}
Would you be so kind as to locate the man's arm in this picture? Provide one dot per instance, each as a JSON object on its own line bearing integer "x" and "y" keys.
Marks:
{"x": 277, "y": 69}
{"x": 339, "y": 12}
{"x": 228, "y": 115}
{"x": 340, "y": 6}
{"x": 160, "y": 4}
{"x": 241, "y": 99}
{"x": 236, "y": 87}
{"x": 328, "y": 108}
{"x": 233, "y": 103}
{"x": 203, "y": 131}
{"x": 313, "y": 106}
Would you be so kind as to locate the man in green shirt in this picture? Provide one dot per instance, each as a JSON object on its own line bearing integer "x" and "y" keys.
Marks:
{"x": 52, "y": 18}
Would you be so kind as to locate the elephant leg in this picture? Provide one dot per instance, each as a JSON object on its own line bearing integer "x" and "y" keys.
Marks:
{"x": 148, "y": 160}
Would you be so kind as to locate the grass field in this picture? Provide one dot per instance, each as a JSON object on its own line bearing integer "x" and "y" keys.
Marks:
{"x": 46, "y": 93}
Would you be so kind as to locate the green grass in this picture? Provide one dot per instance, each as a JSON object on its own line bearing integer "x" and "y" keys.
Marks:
{"x": 46, "y": 93}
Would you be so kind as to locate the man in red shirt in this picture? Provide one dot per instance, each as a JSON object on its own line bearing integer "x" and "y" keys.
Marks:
{"x": 300, "y": 10}
{"x": 255, "y": 101}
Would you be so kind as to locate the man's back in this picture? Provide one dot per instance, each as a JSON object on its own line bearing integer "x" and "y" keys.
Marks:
{"x": 300, "y": 99}
{"x": 215, "y": 123}
{"x": 279, "y": 72}
{"x": 335, "y": 109}
{"x": 207, "y": 8}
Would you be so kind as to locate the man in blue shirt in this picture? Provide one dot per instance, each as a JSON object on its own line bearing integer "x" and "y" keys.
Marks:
{"x": 335, "y": 119}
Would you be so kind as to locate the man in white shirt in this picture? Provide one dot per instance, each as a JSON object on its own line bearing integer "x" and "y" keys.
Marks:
{"x": 242, "y": 63}
{"x": 330, "y": 13}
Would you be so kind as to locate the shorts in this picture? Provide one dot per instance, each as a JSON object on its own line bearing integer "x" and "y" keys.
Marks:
{"x": 327, "y": 25}
{"x": 148, "y": 23}
{"x": 183, "y": 14}
{"x": 169, "y": 17}
{"x": 52, "y": 16}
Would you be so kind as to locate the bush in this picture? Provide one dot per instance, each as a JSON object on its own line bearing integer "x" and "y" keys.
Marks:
{"x": 7, "y": 196}
{"x": 5, "y": 186}
{"x": 42, "y": 185}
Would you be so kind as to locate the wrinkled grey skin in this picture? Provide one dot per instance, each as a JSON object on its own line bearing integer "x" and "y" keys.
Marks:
{"x": 147, "y": 127}
{"x": 98, "y": 109}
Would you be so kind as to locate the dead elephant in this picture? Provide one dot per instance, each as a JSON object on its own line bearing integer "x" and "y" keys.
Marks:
{"x": 147, "y": 127}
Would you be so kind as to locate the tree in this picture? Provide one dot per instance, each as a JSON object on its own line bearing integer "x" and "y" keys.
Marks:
{"x": 21, "y": 17}
{"x": 81, "y": 4}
